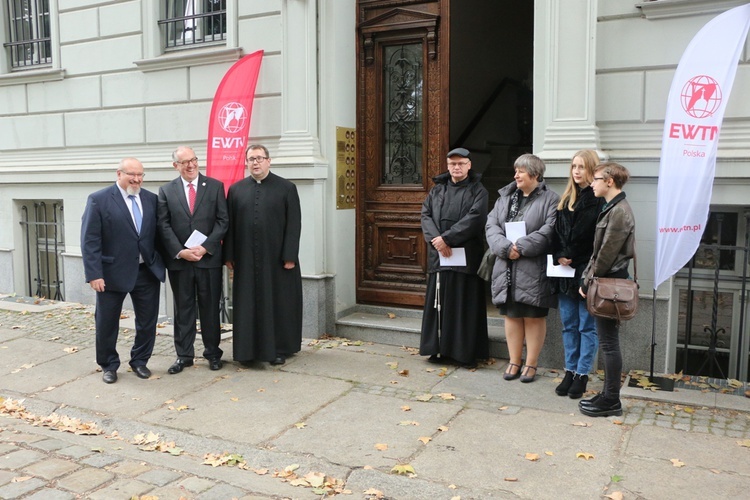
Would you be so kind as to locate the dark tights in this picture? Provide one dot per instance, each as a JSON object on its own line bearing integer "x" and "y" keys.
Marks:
{"x": 609, "y": 341}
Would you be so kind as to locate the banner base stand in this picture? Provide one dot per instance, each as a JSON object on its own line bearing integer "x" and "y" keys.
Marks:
{"x": 660, "y": 383}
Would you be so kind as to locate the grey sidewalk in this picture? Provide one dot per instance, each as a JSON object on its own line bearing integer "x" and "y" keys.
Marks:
{"x": 339, "y": 413}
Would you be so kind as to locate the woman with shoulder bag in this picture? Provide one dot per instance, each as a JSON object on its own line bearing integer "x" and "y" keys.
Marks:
{"x": 573, "y": 244}
{"x": 614, "y": 247}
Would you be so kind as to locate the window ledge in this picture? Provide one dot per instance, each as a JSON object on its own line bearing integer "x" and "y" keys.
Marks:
{"x": 659, "y": 9}
{"x": 182, "y": 58}
{"x": 32, "y": 76}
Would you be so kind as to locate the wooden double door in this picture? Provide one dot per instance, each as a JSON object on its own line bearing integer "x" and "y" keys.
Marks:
{"x": 431, "y": 75}
{"x": 402, "y": 138}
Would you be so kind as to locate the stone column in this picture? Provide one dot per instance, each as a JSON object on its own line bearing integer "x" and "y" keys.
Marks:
{"x": 564, "y": 77}
{"x": 299, "y": 93}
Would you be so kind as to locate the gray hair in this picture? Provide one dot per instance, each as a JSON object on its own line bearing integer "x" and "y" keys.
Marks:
{"x": 532, "y": 164}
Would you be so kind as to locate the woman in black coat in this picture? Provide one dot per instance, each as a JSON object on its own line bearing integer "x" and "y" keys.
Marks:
{"x": 572, "y": 246}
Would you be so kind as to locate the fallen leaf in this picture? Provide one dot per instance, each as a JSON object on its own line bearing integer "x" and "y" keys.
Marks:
{"x": 677, "y": 463}
{"x": 582, "y": 424}
{"x": 617, "y": 422}
{"x": 234, "y": 399}
{"x": 300, "y": 425}
{"x": 616, "y": 479}
{"x": 447, "y": 396}
{"x": 70, "y": 350}
{"x": 260, "y": 472}
{"x": 532, "y": 457}
{"x": 403, "y": 469}
{"x": 503, "y": 408}
{"x": 511, "y": 479}
{"x": 615, "y": 495}
{"x": 405, "y": 408}
{"x": 744, "y": 442}
{"x": 392, "y": 365}
{"x": 549, "y": 453}
{"x": 381, "y": 446}
{"x": 452, "y": 486}
{"x": 408, "y": 422}
{"x": 425, "y": 439}
{"x": 372, "y": 492}
{"x": 391, "y": 315}
{"x": 584, "y": 455}
{"x": 168, "y": 402}
{"x": 20, "y": 479}
{"x": 404, "y": 373}
{"x": 715, "y": 471}
{"x": 734, "y": 383}
{"x": 443, "y": 428}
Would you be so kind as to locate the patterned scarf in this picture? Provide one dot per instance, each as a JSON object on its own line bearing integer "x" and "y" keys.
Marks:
{"x": 515, "y": 201}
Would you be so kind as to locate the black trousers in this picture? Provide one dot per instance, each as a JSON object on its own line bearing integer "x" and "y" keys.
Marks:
{"x": 145, "y": 298}
{"x": 205, "y": 284}
{"x": 609, "y": 342}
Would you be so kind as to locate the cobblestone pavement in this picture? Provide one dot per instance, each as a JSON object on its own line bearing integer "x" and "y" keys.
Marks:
{"x": 40, "y": 462}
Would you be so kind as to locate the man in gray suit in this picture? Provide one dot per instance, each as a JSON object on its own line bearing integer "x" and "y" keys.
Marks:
{"x": 192, "y": 220}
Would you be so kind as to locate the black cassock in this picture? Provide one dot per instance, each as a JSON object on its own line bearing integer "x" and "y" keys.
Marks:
{"x": 458, "y": 213}
{"x": 265, "y": 221}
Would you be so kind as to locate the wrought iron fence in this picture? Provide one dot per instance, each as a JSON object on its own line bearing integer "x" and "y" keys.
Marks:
{"x": 44, "y": 241}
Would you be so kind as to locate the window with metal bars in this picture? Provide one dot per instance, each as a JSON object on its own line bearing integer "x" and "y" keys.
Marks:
{"x": 28, "y": 43}
{"x": 193, "y": 22}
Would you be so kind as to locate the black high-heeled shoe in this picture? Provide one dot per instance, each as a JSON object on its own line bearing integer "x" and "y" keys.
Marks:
{"x": 512, "y": 376}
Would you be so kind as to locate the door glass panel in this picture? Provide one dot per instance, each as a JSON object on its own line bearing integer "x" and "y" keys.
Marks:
{"x": 695, "y": 359}
{"x": 403, "y": 114}
{"x": 705, "y": 257}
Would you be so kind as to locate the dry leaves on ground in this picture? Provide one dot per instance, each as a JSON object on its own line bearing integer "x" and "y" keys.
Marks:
{"x": 677, "y": 462}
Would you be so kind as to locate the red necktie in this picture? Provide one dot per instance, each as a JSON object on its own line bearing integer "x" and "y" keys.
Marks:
{"x": 191, "y": 197}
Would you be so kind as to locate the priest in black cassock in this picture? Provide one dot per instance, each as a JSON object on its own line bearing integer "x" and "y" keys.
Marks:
{"x": 454, "y": 322}
{"x": 262, "y": 247}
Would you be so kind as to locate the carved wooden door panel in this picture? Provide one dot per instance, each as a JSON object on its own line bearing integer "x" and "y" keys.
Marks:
{"x": 402, "y": 108}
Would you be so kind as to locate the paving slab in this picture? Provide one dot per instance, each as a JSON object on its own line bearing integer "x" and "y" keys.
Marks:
{"x": 339, "y": 434}
{"x": 694, "y": 449}
{"x": 53, "y": 373}
{"x": 487, "y": 383}
{"x": 369, "y": 368}
{"x": 85, "y": 479}
{"x": 10, "y": 332}
{"x": 23, "y": 353}
{"x": 270, "y": 400}
{"x": 130, "y": 396}
{"x": 493, "y": 447}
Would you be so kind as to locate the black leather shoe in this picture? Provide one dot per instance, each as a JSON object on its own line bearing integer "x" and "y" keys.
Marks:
{"x": 280, "y": 360}
{"x": 603, "y": 408}
{"x": 142, "y": 371}
{"x": 179, "y": 365}
{"x": 215, "y": 364}
{"x": 434, "y": 359}
{"x": 591, "y": 401}
{"x": 109, "y": 376}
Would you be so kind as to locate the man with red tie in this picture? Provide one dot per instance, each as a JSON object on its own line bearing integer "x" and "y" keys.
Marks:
{"x": 192, "y": 220}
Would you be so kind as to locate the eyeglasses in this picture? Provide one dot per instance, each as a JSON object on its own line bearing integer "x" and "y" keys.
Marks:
{"x": 598, "y": 178}
{"x": 259, "y": 159}
{"x": 185, "y": 163}
{"x": 131, "y": 174}
{"x": 457, "y": 164}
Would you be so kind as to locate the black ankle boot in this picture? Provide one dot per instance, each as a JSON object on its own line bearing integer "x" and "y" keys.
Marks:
{"x": 578, "y": 387}
{"x": 562, "y": 389}
{"x": 602, "y": 408}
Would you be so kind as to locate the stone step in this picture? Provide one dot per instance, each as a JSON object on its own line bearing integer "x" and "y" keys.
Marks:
{"x": 397, "y": 326}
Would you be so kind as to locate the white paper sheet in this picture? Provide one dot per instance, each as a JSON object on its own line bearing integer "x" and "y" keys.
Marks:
{"x": 515, "y": 230}
{"x": 559, "y": 271}
{"x": 458, "y": 258}
{"x": 197, "y": 238}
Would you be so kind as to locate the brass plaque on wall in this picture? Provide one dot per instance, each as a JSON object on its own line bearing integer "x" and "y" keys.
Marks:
{"x": 345, "y": 171}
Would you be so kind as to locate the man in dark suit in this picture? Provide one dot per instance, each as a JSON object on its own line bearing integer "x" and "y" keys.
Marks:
{"x": 191, "y": 206}
{"x": 118, "y": 243}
